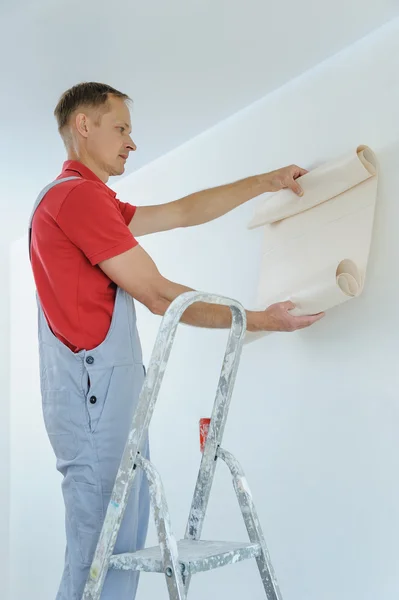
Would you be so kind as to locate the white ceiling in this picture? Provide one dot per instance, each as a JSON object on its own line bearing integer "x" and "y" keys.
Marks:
{"x": 186, "y": 63}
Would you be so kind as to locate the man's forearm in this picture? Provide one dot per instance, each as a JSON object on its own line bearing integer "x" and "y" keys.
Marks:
{"x": 215, "y": 316}
{"x": 203, "y": 314}
{"x": 210, "y": 204}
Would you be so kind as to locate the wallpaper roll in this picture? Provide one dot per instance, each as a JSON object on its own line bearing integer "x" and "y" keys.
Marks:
{"x": 316, "y": 247}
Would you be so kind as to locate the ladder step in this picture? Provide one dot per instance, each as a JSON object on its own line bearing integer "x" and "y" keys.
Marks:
{"x": 194, "y": 556}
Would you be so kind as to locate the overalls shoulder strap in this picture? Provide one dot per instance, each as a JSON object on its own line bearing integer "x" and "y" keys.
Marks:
{"x": 40, "y": 198}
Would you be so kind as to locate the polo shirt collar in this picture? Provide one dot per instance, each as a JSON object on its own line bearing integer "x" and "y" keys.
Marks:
{"x": 80, "y": 169}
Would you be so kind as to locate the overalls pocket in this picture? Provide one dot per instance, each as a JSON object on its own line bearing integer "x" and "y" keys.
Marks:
{"x": 85, "y": 511}
{"x": 60, "y": 429}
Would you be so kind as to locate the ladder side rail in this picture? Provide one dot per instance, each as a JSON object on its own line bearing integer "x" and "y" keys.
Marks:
{"x": 252, "y": 523}
{"x": 217, "y": 425}
{"x": 166, "y": 539}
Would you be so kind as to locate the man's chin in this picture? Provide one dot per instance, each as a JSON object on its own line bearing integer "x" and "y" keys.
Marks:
{"x": 116, "y": 171}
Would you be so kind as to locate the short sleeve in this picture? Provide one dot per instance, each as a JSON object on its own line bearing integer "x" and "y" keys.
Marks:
{"x": 127, "y": 210}
{"x": 96, "y": 222}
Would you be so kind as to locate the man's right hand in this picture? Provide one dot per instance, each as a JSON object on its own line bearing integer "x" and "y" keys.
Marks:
{"x": 278, "y": 318}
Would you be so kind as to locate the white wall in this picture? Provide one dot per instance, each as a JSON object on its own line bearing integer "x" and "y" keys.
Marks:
{"x": 36, "y": 519}
{"x": 314, "y": 418}
{"x": 4, "y": 421}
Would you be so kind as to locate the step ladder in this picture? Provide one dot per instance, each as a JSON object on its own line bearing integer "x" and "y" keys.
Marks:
{"x": 180, "y": 560}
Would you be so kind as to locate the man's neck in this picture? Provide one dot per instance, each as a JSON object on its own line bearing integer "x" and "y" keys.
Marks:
{"x": 90, "y": 164}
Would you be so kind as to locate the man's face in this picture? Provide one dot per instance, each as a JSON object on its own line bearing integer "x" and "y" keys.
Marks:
{"x": 108, "y": 140}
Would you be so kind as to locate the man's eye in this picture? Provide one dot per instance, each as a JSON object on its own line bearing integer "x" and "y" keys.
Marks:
{"x": 122, "y": 129}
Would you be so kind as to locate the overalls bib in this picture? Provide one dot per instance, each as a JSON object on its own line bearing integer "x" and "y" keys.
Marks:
{"x": 88, "y": 401}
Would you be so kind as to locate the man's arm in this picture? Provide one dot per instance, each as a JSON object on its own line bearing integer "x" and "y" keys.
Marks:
{"x": 136, "y": 273}
{"x": 210, "y": 204}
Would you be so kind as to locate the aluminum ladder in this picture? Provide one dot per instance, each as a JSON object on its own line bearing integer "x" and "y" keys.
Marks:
{"x": 180, "y": 560}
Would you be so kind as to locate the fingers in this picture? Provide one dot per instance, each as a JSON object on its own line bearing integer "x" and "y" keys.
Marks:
{"x": 287, "y": 305}
{"x": 301, "y": 172}
{"x": 296, "y": 188}
{"x": 306, "y": 320}
{"x": 296, "y": 172}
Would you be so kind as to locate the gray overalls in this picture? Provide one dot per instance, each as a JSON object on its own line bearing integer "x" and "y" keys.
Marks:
{"x": 89, "y": 399}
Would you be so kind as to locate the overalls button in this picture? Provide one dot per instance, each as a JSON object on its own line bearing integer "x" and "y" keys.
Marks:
{"x": 90, "y": 360}
{"x": 93, "y": 400}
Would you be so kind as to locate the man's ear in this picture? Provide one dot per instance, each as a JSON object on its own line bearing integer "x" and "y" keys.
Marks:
{"x": 82, "y": 124}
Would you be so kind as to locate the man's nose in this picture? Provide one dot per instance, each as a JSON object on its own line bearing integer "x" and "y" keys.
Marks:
{"x": 131, "y": 145}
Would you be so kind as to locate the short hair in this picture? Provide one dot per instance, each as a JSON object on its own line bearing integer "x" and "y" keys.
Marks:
{"x": 86, "y": 94}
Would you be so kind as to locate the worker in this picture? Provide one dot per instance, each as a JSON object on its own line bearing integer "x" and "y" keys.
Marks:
{"x": 88, "y": 269}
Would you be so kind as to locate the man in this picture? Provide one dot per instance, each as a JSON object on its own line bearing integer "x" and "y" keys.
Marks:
{"x": 88, "y": 268}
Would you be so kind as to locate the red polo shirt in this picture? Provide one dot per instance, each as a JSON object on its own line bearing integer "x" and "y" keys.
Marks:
{"x": 78, "y": 224}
